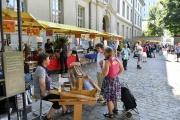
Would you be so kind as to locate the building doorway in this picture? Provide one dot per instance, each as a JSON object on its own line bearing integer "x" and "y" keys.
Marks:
{"x": 106, "y": 25}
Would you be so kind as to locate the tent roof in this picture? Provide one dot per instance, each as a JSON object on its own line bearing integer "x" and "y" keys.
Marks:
{"x": 28, "y": 20}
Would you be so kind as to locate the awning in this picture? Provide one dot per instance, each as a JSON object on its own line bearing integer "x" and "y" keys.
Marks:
{"x": 62, "y": 28}
{"x": 28, "y": 20}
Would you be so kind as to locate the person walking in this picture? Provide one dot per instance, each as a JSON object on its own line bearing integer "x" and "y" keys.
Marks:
{"x": 63, "y": 57}
{"x": 178, "y": 51}
{"x": 111, "y": 89}
{"x": 140, "y": 51}
{"x": 125, "y": 56}
{"x": 100, "y": 57}
{"x": 144, "y": 53}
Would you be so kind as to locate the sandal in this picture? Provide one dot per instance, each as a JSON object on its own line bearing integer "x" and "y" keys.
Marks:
{"x": 115, "y": 111}
{"x": 45, "y": 118}
{"x": 67, "y": 112}
{"x": 104, "y": 103}
{"x": 108, "y": 115}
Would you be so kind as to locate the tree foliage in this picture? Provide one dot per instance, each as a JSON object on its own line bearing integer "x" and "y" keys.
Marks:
{"x": 155, "y": 22}
{"x": 171, "y": 15}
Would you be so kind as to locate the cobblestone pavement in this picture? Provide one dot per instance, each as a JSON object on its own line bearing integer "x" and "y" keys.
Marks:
{"x": 155, "y": 87}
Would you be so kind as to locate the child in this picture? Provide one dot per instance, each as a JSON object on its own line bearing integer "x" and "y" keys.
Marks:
{"x": 111, "y": 89}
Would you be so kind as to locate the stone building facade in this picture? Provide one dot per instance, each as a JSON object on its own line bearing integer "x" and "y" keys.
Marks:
{"x": 115, "y": 16}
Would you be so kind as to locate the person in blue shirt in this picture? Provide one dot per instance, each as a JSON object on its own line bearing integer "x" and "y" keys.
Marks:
{"x": 125, "y": 56}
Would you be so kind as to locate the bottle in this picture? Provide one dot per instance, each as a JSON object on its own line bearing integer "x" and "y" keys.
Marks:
{"x": 59, "y": 87}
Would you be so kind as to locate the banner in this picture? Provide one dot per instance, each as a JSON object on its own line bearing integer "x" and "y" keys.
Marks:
{"x": 9, "y": 26}
{"x": 49, "y": 32}
{"x": 32, "y": 31}
{"x": 92, "y": 36}
{"x": 77, "y": 35}
{"x": 107, "y": 38}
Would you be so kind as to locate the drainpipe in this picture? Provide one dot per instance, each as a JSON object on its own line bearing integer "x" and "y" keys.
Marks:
{"x": 90, "y": 13}
{"x": 96, "y": 16}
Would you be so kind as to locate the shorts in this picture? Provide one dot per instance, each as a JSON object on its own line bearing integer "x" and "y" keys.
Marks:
{"x": 139, "y": 57}
{"x": 178, "y": 55}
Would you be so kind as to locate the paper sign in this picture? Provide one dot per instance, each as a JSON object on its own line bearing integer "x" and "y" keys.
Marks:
{"x": 49, "y": 32}
{"x": 32, "y": 31}
{"x": 9, "y": 26}
{"x": 77, "y": 35}
{"x": 92, "y": 36}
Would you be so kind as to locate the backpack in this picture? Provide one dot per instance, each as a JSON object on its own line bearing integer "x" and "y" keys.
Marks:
{"x": 127, "y": 98}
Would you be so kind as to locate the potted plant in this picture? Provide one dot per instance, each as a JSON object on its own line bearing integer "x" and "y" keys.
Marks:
{"x": 58, "y": 43}
{"x": 26, "y": 51}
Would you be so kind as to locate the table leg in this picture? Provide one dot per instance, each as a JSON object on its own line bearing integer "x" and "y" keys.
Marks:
{"x": 78, "y": 112}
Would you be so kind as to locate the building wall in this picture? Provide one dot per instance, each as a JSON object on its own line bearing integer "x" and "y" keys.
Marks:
{"x": 149, "y": 4}
{"x": 40, "y": 9}
{"x": 94, "y": 12}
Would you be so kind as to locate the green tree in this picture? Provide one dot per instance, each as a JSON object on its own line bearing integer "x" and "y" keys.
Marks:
{"x": 155, "y": 24}
{"x": 171, "y": 15}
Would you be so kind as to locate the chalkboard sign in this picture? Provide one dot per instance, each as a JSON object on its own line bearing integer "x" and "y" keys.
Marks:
{"x": 14, "y": 73}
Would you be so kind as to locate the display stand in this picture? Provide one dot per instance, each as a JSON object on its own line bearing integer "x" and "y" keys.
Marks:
{"x": 9, "y": 66}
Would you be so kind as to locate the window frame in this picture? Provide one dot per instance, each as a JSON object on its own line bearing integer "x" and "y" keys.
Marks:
{"x": 80, "y": 19}
{"x": 123, "y": 9}
{"x": 57, "y": 11}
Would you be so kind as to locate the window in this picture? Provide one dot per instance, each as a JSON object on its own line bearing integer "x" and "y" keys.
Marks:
{"x": 12, "y": 5}
{"x": 140, "y": 22}
{"x": 135, "y": 33}
{"x": 57, "y": 11}
{"x": 127, "y": 12}
{"x": 123, "y": 9}
{"x": 127, "y": 32}
{"x": 138, "y": 6}
{"x": 118, "y": 28}
{"x": 136, "y": 3}
{"x": 135, "y": 18}
{"x": 131, "y": 15}
{"x": 130, "y": 32}
{"x": 123, "y": 30}
{"x": 118, "y": 6}
{"x": 80, "y": 16}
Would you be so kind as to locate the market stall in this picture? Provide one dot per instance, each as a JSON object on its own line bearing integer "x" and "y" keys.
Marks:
{"x": 55, "y": 63}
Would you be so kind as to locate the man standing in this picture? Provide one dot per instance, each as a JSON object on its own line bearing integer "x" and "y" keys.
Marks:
{"x": 100, "y": 57}
{"x": 63, "y": 57}
{"x": 140, "y": 51}
{"x": 48, "y": 47}
{"x": 125, "y": 56}
{"x": 178, "y": 51}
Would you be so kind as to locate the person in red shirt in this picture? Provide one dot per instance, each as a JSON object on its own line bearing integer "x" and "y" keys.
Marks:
{"x": 144, "y": 53}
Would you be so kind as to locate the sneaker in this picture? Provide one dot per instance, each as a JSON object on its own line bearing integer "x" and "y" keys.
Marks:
{"x": 139, "y": 67}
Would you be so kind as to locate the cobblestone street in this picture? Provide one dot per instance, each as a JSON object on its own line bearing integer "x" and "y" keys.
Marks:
{"x": 155, "y": 87}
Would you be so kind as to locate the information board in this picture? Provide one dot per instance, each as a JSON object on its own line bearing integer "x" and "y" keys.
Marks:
{"x": 14, "y": 73}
